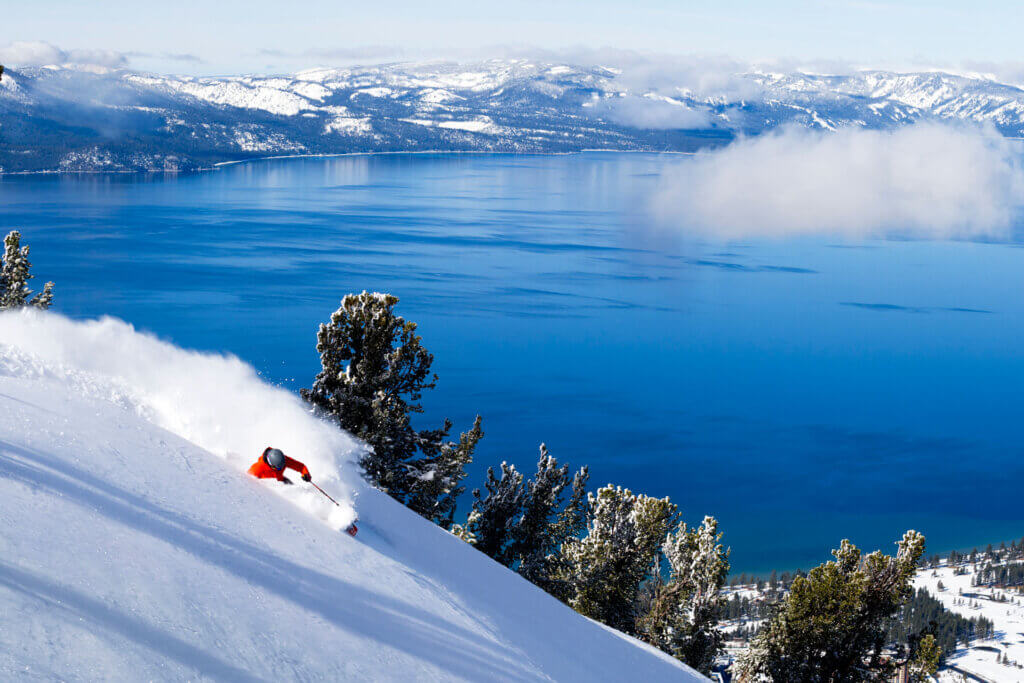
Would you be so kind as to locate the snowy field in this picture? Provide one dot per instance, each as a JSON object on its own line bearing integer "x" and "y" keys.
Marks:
{"x": 1008, "y": 618}
{"x": 133, "y": 546}
{"x": 982, "y": 661}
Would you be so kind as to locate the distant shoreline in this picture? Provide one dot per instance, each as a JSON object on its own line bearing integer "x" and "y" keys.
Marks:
{"x": 233, "y": 162}
{"x": 943, "y": 555}
{"x": 452, "y": 152}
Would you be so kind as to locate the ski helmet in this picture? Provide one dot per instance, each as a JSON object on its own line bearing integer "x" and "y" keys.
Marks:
{"x": 274, "y": 458}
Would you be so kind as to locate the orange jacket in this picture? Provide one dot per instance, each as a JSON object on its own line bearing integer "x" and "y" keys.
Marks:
{"x": 261, "y": 470}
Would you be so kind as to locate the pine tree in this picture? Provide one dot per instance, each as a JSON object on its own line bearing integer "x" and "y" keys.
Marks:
{"x": 374, "y": 370}
{"x": 465, "y": 531}
{"x": 14, "y": 277}
{"x": 925, "y": 663}
{"x": 522, "y": 523}
{"x": 831, "y": 626}
{"x": 545, "y": 525}
{"x": 700, "y": 563}
{"x": 682, "y": 616}
{"x": 496, "y": 513}
{"x": 531, "y": 540}
{"x": 568, "y": 524}
{"x": 606, "y": 568}
{"x": 438, "y": 475}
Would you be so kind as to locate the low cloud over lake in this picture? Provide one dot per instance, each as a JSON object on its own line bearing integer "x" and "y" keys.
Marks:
{"x": 925, "y": 181}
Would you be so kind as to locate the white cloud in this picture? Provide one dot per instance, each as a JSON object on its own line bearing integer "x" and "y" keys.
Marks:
{"x": 108, "y": 58}
{"x": 926, "y": 180}
{"x": 650, "y": 113}
{"x": 40, "y": 53}
{"x": 30, "y": 53}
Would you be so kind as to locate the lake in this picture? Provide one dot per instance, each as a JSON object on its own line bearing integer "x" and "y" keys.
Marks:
{"x": 800, "y": 390}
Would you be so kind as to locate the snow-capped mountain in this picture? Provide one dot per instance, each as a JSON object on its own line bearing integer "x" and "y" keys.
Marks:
{"x": 68, "y": 118}
{"x": 136, "y": 548}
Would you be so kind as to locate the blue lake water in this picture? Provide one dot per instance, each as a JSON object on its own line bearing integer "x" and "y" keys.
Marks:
{"x": 801, "y": 391}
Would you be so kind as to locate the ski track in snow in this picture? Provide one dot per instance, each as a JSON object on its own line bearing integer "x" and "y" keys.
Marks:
{"x": 134, "y": 547}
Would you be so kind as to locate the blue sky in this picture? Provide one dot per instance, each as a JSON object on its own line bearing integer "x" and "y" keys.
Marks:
{"x": 229, "y": 36}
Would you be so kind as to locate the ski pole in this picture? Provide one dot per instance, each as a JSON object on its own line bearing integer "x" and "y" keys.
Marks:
{"x": 351, "y": 529}
{"x": 325, "y": 493}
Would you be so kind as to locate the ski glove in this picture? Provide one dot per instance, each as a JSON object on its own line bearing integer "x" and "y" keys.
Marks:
{"x": 306, "y": 477}
{"x": 285, "y": 480}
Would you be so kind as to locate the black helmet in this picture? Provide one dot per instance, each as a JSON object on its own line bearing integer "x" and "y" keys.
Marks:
{"x": 274, "y": 458}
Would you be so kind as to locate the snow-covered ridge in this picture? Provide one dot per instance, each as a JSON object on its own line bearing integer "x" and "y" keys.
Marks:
{"x": 157, "y": 122}
{"x": 134, "y": 547}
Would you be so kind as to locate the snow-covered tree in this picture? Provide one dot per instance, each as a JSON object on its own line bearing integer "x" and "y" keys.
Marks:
{"x": 465, "y": 531}
{"x": 606, "y": 568}
{"x": 496, "y": 513}
{"x": 437, "y": 475}
{"x": 522, "y": 523}
{"x": 831, "y": 626}
{"x": 681, "y": 616}
{"x": 14, "y": 277}
{"x": 374, "y": 370}
{"x": 548, "y": 521}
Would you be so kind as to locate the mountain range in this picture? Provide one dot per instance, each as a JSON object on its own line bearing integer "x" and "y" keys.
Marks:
{"x": 73, "y": 118}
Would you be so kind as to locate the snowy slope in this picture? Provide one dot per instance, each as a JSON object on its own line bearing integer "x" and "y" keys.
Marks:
{"x": 134, "y": 547}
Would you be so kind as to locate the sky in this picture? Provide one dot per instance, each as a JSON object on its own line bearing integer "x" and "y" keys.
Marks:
{"x": 263, "y": 36}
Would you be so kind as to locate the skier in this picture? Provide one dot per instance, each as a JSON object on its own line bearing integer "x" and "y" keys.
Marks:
{"x": 272, "y": 464}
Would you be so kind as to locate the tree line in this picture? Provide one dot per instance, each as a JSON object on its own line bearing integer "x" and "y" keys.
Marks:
{"x": 623, "y": 558}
